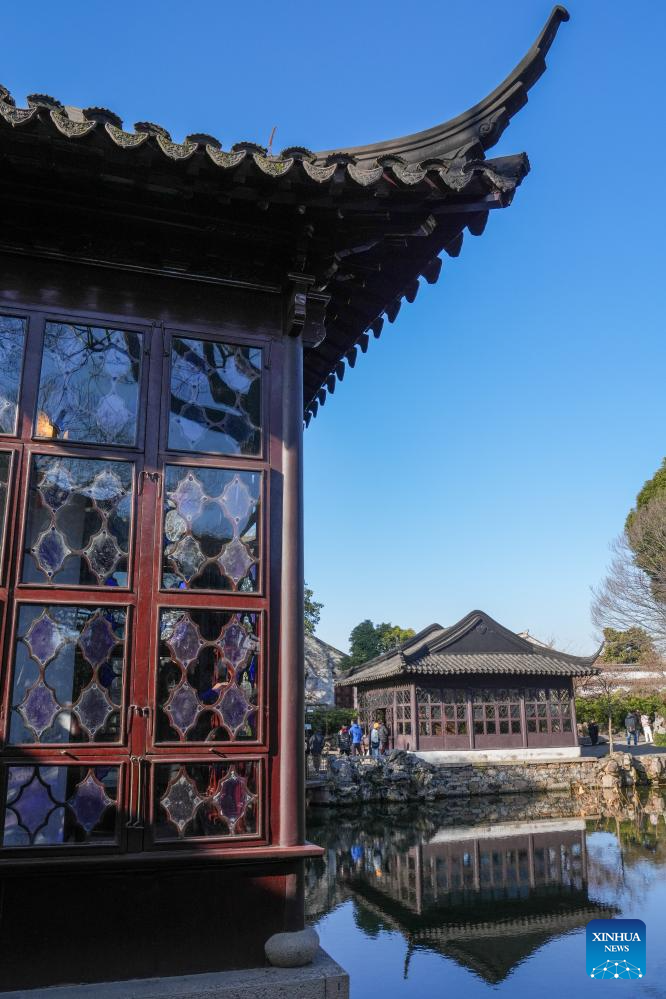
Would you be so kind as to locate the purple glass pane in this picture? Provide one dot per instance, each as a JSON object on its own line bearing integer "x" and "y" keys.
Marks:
{"x": 232, "y": 798}
{"x": 236, "y": 644}
{"x": 89, "y": 802}
{"x": 50, "y": 551}
{"x": 185, "y": 640}
{"x": 93, "y": 708}
{"x": 34, "y": 804}
{"x": 183, "y": 707}
{"x": 43, "y": 638}
{"x": 106, "y": 489}
{"x": 181, "y": 801}
{"x": 234, "y": 708}
{"x": 103, "y": 554}
{"x": 189, "y": 497}
{"x": 56, "y": 486}
{"x": 187, "y": 557}
{"x": 39, "y": 708}
{"x": 97, "y": 640}
{"x": 237, "y": 500}
{"x": 235, "y": 561}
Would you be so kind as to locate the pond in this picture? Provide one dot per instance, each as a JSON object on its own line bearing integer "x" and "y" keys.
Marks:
{"x": 489, "y": 897}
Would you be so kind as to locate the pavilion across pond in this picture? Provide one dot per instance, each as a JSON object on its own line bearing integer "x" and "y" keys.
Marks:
{"x": 474, "y": 688}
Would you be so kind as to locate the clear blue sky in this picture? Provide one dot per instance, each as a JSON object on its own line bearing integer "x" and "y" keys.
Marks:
{"x": 486, "y": 450}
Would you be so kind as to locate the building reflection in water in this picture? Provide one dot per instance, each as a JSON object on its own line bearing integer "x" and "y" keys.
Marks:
{"x": 486, "y": 895}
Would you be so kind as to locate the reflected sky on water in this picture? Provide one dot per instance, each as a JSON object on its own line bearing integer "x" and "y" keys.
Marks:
{"x": 489, "y": 897}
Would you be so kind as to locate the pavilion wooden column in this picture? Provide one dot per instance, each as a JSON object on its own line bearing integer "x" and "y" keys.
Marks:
{"x": 292, "y": 682}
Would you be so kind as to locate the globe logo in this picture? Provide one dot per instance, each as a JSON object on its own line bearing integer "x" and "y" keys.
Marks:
{"x": 615, "y": 949}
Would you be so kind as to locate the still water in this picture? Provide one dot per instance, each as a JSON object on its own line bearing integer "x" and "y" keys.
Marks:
{"x": 486, "y": 898}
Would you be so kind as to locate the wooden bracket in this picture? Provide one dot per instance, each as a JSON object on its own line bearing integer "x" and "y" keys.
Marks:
{"x": 305, "y": 310}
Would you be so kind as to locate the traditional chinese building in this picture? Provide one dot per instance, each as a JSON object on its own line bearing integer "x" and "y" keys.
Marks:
{"x": 171, "y": 314}
{"x": 474, "y": 687}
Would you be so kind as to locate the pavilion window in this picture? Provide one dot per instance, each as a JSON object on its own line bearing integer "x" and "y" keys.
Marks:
{"x": 548, "y": 710}
{"x": 68, "y": 677}
{"x": 209, "y": 676}
{"x": 89, "y": 385}
{"x": 496, "y": 712}
{"x": 215, "y": 397}
{"x": 211, "y": 538}
{"x": 5, "y": 476}
{"x": 79, "y": 521}
{"x": 61, "y": 806}
{"x": 441, "y": 711}
{"x": 12, "y": 345}
{"x": 196, "y": 800}
{"x": 403, "y": 711}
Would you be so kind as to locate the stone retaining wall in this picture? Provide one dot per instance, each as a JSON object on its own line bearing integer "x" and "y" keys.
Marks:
{"x": 404, "y": 777}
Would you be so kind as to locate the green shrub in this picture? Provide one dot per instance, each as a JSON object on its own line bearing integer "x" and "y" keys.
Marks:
{"x": 588, "y": 708}
{"x": 329, "y": 720}
{"x": 660, "y": 739}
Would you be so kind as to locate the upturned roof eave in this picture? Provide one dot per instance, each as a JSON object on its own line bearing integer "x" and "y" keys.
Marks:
{"x": 482, "y": 124}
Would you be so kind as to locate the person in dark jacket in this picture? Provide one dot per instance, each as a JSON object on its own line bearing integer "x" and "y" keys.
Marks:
{"x": 593, "y": 732}
{"x": 315, "y": 745}
{"x": 344, "y": 741}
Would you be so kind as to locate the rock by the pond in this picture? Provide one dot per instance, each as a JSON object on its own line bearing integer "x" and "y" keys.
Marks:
{"x": 292, "y": 950}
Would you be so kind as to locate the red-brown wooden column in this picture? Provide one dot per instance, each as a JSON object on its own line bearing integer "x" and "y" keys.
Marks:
{"x": 292, "y": 694}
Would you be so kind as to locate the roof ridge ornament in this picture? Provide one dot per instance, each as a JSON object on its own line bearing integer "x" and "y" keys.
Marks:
{"x": 102, "y": 116}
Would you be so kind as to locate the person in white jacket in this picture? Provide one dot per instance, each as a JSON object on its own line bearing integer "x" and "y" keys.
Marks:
{"x": 647, "y": 728}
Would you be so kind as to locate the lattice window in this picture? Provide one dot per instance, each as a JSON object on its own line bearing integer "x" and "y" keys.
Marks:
{"x": 79, "y": 520}
{"x": 60, "y": 805}
{"x": 215, "y": 397}
{"x": 211, "y": 542}
{"x": 12, "y": 342}
{"x": 68, "y": 674}
{"x": 208, "y": 679}
{"x": 496, "y": 712}
{"x": 206, "y": 799}
{"x": 403, "y": 711}
{"x": 548, "y": 710}
{"x": 441, "y": 711}
{"x": 89, "y": 384}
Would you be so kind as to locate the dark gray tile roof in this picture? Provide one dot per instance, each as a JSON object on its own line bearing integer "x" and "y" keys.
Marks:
{"x": 438, "y": 651}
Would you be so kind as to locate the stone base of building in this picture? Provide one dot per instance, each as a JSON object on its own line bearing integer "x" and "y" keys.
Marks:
{"x": 323, "y": 979}
{"x": 465, "y": 756}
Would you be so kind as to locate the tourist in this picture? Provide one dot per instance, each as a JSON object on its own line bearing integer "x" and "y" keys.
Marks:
{"x": 631, "y": 728}
{"x": 375, "y": 742}
{"x": 344, "y": 741}
{"x": 356, "y": 733}
{"x": 315, "y": 745}
{"x": 383, "y": 738}
{"x": 647, "y": 728}
{"x": 593, "y": 732}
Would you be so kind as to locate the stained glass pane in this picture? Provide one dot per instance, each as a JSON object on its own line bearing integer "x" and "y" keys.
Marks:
{"x": 78, "y": 525}
{"x": 206, "y": 799}
{"x": 58, "y": 805}
{"x": 68, "y": 674}
{"x": 12, "y": 342}
{"x": 89, "y": 384}
{"x": 208, "y": 676}
{"x": 210, "y": 529}
{"x": 215, "y": 397}
{"x": 5, "y": 467}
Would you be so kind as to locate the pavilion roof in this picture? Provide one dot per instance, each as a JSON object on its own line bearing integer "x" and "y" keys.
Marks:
{"x": 477, "y": 644}
{"x": 365, "y": 224}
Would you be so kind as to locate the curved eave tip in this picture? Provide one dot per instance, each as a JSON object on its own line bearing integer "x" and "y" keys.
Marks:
{"x": 558, "y": 15}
